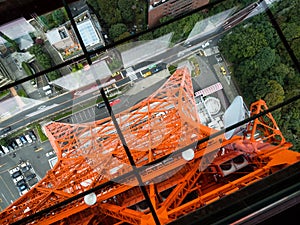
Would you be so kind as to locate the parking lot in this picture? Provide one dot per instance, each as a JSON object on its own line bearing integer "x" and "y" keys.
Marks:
{"x": 24, "y": 161}
{"x": 23, "y": 177}
{"x": 15, "y": 144}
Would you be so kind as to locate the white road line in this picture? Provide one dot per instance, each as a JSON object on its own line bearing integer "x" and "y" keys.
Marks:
{"x": 7, "y": 202}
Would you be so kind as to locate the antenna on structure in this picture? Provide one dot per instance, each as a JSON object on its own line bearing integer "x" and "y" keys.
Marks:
{"x": 234, "y": 114}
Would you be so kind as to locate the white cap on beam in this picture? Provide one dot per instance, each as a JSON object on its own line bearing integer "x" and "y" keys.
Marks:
{"x": 188, "y": 154}
{"x": 90, "y": 199}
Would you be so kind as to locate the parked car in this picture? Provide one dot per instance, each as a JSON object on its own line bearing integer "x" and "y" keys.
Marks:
{"x": 23, "y": 189}
{"x": 48, "y": 154}
{"x": 223, "y": 71}
{"x": 26, "y": 168}
{"x": 14, "y": 144}
{"x": 30, "y": 176}
{"x": 23, "y": 139}
{"x": 4, "y": 149}
{"x": 10, "y": 148}
{"x": 28, "y": 138}
{"x": 101, "y": 105}
{"x": 33, "y": 181}
{"x": 21, "y": 182}
{"x": 16, "y": 174}
{"x": 19, "y": 142}
{"x": 219, "y": 58}
{"x": 114, "y": 102}
{"x": 32, "y": 135}
{"x": 13, "y": 170}
{"x": 147, "y": 74}
{"x": 18, "y": 178}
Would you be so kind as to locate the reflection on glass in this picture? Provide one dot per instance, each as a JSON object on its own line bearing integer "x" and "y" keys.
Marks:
{"x": 172, "y": 93}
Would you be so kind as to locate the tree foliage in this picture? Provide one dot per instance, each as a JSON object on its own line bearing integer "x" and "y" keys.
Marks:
{"x": 117, "y": 29}
{"x": 263, "y": 67}
{"x": 44, "y": 60}
{"x": 132, "y": 13}
{"x": 236, "y": 48}
{"x": 58, "y": 16}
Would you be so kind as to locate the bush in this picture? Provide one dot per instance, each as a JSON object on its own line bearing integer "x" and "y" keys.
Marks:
{"x": 27, "y": 68}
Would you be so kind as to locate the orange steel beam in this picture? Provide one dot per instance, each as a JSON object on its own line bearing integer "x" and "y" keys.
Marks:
{"x": 91, "y": 154}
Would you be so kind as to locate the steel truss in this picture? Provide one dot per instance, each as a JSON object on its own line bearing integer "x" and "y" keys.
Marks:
{"x": 92, "y": 154}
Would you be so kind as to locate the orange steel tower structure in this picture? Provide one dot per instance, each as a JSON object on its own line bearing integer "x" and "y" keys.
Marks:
{"x": 180, "y": 163}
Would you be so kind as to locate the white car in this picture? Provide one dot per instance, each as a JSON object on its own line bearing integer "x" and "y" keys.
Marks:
{"x": 28, "y": 138}
{"x": 19, "y": 142}
{"x": 5, "y": 149}
{"x": 18, "y": 179}
{"x": 48, "y": 154}
{"x": 14, "y": 170}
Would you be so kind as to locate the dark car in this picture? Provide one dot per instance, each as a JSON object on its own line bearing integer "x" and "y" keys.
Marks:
{"x": 16, "y": 174}
{"x": 33, "y": 181}
{"x": 5, "y": 130}
{"x": 100, "y": 105}
{"x": 21, "y": 183}
{"x": 30, "y": 176}
{"x": 14, "y": 144}
{"x": 26, "y": 168}
{"x": 10, "y": 148}
{"x": 23, "y": 187}
{"x": 32, "y": 135}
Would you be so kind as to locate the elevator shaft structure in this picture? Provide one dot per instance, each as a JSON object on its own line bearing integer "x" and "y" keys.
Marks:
{"x": 94, "y": 182}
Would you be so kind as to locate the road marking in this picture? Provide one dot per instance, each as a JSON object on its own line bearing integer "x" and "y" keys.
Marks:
{"x": 8, "y": 188}
{"x": 7, "y": 202}
{"x": 2, "y": 165}
{"x": 39, "y": 149}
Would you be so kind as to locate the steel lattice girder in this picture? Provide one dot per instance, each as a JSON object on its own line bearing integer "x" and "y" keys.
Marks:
{"x": 91, "y": 154}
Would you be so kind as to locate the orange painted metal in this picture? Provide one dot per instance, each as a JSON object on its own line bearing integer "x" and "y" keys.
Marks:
{"x": 92, "y": 154}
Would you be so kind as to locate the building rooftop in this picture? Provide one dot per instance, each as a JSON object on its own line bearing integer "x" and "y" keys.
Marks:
{"x": 18, "y": 30}
{"x": 57, "y": 34}
{"x": 88, "y": 33}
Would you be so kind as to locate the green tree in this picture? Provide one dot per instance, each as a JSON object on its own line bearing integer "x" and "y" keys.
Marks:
{"x": 93, "y": 4}
{"x": 244, "y": 42}
{"x": 58, "y": 17}
{"x": 3, "y": 142}
{"x": 275, "y": 93}
{"x": 126, "y": 9}
{"x": 264, "y": 59}
{"x": 117, "y": 29}
{"x": 109, "y": 12}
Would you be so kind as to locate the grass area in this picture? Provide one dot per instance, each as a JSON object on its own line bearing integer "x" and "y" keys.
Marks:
{"x": 27, "y": 68}
{"x": 22, "y": 93}
{"x": 172, "y": 69}
{"x": 41, "y": 134}
{"x": 4, "y": 93}
{"x": 60, "y": 116}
